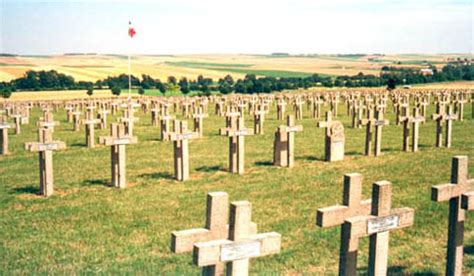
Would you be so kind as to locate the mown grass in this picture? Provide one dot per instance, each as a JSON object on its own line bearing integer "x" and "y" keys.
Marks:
{"x": 88, "y": 227}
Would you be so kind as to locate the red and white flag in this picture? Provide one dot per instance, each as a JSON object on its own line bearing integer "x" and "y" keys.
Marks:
{"x": 131, "y": 30}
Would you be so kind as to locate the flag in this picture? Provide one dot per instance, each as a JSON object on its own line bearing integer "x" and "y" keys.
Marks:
{"x": 131, "y": 30}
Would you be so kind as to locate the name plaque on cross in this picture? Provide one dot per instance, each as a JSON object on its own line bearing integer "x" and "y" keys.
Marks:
{"x": 418, "y": 119}
{"x": 241, "y": 132}
{"x": 2, "y": 126}
{"x": 377, "y": 225}
{"x": 293, "y": 128}
{"x": 380, "y": 123}
{"x": 237, "y": 251}
{"x": 186, "y": 136}
{"x": 122, "y": 141}
{"x": 87, "y": 122}
{"x": 49, "y": 124}
{"x": 43, "y": 147}
{"x": 451, "y": 117}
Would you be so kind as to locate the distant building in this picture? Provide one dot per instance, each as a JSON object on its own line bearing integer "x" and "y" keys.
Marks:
{"x": 426, "y": 72}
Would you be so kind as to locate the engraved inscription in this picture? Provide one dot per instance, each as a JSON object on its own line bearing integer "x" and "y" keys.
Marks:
{"x": 237, "y": 251}
{"x": 377, "y": 225}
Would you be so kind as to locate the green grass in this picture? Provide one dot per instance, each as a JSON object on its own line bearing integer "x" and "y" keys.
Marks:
{"x": 88, "y": 227}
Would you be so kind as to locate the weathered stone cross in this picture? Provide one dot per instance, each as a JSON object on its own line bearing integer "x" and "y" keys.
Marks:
{"x": 259, "y": 119}
{"x": 372, "y": 123}
{"x": 460, "y": 197}
{"x": 117, "y": 142}
{"x": 47, "y": 121}
{"x": 284, "y": 145}
{"x": 90, "y": 122}
{"x": 198, "y": 121}
{"x": 352, "y": 206}
{"x": 45, "y": 148}
{"x": 382, "y": 219}
{"x": 237, "y": 146}
{"x": 440, "y": 117}
{"x": 334, "y": 140}
{"x": 216, "y": 228}
{"x": 181, "y": 149}
{"x": 4, "y": 126}
{"x": 240, "y": 246}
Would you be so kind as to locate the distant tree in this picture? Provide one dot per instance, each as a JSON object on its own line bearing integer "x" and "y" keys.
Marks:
{"x": 184, "y": 85}
{"x": 90, "y": 91}
{"x": 141, "y": 91}
{"x": 116, "y": 90}
{"x": 391, "y": 84}
{"x": 160, "y": 86}
{"x": 6, "y": 92}
{"x": 172, "y": 80}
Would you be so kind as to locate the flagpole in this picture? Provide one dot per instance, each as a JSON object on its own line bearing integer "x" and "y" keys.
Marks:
{"x": 129, "y": 64}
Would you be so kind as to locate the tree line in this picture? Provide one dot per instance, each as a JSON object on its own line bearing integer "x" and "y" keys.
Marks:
{"x": 389, "y": 76}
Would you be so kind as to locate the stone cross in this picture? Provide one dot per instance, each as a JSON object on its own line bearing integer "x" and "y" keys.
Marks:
{"x": 181, "y": 149}
{"x": 423, "y": 104}
{"x": 258, "y": 119}
{"x": 69, "y": 109}
{"x": 231, "y": 119}
{"x": 372, "y": 123}
{"x": 165, "y": 126}
{"x": 334, "y": 140}
{"x": 334, "y": 102}
{"x": 281, "y": 105}
{"x": 155, "y": 112}
{"x": 129, "y": 120}
{"x": 401, "y": 112}
{"x": 416, "y": 119}
{"x": 45, "y": 148}
{"x": 352, "y": 206}
{"x": 378, "y": 224}
{"x": 117, "y": 142}
{"x": 76, "y": 119}
{"x": 102, "y": 116}
{"x": 17, "y": 117}
{"x": 317, "y": 103}
{"x": 4, "y": 126}
{"x": 459, "y": 106}
{"x": 216, "y": 228}
{"x": 440, "y": 117}
{"x": 358, "y": 111}
{"x": 241, "y": 245}
{"x": 198, "y": 121}
{"x": 47, "y": 121}
{"x": 90, "y": 122}
{"x": 237, "y": 146}
{"x": 298, "y": 106}
{"x": 460, "y": 197}
{"x": 284, "y": 145}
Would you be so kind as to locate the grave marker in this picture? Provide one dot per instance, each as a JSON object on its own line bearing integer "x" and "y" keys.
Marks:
{"x": 237, "y": 146}
{"x": 117, "y": 142}
{"x": 334, "y": 140}
{"x": 181, "y": 149}
{"x": 284, "y": 144}
{"x": 4, "y": 126}
{"x": 45, "y": 148}
{"x": 460, "y": 198}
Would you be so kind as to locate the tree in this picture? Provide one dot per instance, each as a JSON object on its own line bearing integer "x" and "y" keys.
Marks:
{"x": 90, "y": 91}
{"x": 184, "y": 85}
{"x": 391, "y": 84}
{"x": 6, "y": 92}
{"x": 116, "y": 91}
{"x": 160, "y": 86}
{"x": 172, "y": 80}
{"x": 141, "y": 91}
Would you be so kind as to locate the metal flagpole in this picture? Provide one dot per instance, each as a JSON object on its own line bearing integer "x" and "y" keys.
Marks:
{"x": 129, "y": 62}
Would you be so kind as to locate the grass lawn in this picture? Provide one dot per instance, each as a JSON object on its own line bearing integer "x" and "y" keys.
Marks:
{"x": 88, "y": 227}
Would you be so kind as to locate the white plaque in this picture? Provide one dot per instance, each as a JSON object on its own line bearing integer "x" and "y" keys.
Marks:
{"x": 241, "y": 132}
{"x": 43, "y": 147}
{"x": 238, "y": 251}
{"x": 48, "y": 124}
{"x": 123, "y": 141}
{"x": 3, "y": 126}
{"x": 379, "y": 123}
{"x": 377, "y": 225}
{"x": 292, "y": 129}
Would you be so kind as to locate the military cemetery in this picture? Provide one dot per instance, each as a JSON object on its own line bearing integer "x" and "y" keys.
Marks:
{"x": 239, "y": 138}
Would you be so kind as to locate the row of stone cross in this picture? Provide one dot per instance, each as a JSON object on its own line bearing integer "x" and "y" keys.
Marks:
{"x": 121, "y": 133}
{"x": 230, "y": 239}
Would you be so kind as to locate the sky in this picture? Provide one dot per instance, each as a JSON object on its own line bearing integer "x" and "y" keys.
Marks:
{"x": 37, "y": 27}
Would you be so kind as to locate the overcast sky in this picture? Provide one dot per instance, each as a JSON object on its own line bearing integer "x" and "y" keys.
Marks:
{"x": 237, "y": 26}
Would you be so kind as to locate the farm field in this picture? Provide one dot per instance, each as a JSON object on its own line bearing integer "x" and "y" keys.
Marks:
{"x": 88, "y": 227}
{"x": 94, "y": 67}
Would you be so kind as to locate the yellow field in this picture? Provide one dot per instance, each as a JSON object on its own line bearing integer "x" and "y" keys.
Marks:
{"x": 94, "y": 67}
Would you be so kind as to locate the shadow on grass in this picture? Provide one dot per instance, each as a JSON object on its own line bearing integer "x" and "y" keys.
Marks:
{"x": 91, "y": 182}
{"x": 353, "y": 153}
{"x": 398, "y": 270}
{"x": 166, "y": 175}
{"x": 263, "y": 163}
{"x": 78, "y": 145}
{"x": 26, "y": 190}
{"x": 309, "y": 158}
{"x": 210, "y": 168}
{"x": 391, "y": 149}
